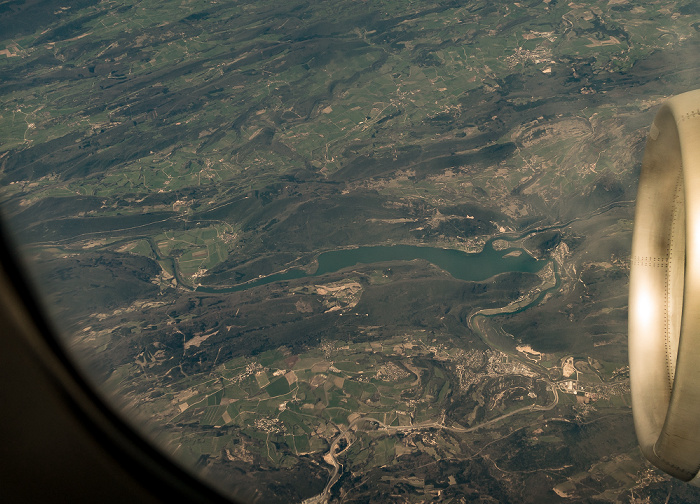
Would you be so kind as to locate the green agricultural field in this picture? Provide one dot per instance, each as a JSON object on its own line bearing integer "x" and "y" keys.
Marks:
{"x": 278, "y": 387}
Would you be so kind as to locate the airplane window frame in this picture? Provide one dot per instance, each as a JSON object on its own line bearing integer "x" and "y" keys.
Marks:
{"x": 156, "y": 474}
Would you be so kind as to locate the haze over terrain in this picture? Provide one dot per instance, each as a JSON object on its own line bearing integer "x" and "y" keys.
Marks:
{"x": 348, "y": 251}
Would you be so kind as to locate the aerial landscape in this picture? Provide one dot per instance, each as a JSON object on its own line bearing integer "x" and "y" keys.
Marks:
{"x": 348, "y": 251}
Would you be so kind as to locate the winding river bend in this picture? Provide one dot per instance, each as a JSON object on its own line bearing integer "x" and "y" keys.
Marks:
{"x": 476, "y": 322}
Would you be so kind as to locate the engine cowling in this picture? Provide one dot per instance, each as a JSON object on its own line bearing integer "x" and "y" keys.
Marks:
{"x": 664, "y": 298}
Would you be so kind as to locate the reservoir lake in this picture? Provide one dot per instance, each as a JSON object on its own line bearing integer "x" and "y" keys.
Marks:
{"x": 461, "y": 265}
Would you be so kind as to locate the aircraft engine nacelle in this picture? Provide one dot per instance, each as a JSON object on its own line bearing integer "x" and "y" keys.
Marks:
{"x": 664, "y": 299}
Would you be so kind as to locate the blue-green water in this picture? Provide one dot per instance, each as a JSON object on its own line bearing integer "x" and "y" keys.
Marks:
{"x": 460, "y": 265}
